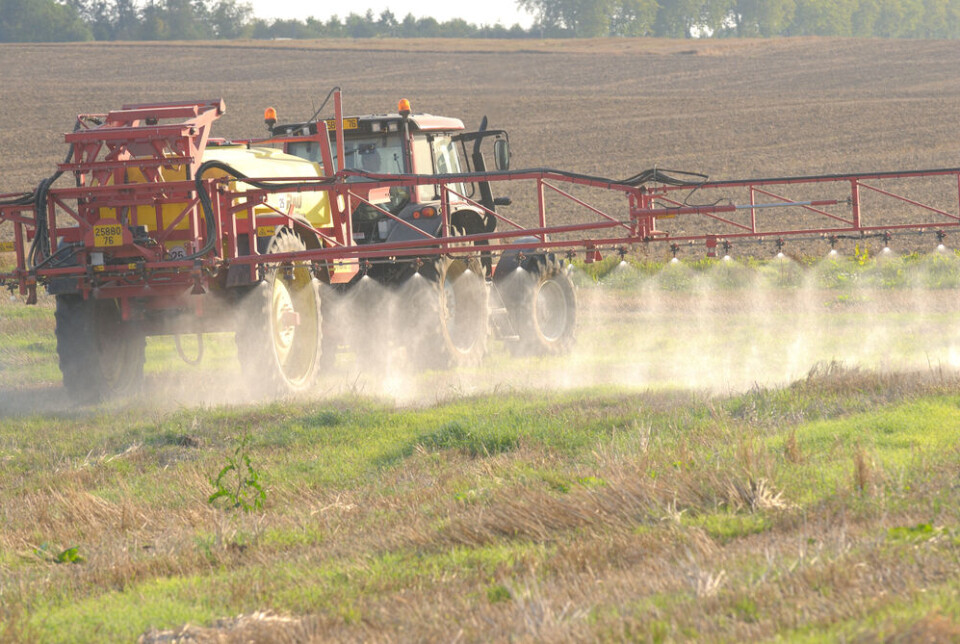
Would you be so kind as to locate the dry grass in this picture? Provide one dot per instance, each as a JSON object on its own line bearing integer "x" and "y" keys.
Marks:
{"x": 693, "y": 521}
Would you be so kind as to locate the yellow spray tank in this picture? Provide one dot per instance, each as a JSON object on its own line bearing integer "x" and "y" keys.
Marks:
{"x": 259, "y": 162}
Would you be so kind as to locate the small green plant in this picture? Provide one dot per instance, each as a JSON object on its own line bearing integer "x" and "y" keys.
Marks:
{"x": 746, "y": 610}
{"x": 861, "y": 255}
{"x": 498, "y": 593}
{"x": 914, "y": 534}
{"x": 239, "y": 481}
{"x": 70, "y": 555}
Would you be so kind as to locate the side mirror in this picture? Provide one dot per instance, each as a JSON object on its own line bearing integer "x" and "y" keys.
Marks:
{"x": 501, "y": 154}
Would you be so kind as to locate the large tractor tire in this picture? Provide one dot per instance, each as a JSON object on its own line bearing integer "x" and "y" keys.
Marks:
{"x": 542, "y": 304}
{"x": 100, "y": 355}
{"x": 279, "y": 334}
{"x": 450, "y": 315}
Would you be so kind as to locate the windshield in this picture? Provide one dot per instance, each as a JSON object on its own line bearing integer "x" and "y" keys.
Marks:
{"x": 378, "y": 154}
{"x": 309, "y": 150}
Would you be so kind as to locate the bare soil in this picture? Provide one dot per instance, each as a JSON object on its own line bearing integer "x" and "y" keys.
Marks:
{"x": 611, "y": 107}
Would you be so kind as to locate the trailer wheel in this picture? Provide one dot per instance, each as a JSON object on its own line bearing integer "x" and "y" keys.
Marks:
{"x": 452, "y": 326}
{"x": 279, "y": 336}
{"x": 100, "y": 355}
{"x": 542, "y": 303}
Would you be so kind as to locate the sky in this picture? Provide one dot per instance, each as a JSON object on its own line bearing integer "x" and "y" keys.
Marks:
{"x": 486, "y": 12}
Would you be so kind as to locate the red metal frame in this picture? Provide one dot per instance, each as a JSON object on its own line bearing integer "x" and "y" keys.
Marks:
{"x": 134, "y": 138}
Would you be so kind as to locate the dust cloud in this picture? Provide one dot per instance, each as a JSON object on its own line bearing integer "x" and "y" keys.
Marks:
{"x": 731, "y": 327}
{"x": 722, "y": 328}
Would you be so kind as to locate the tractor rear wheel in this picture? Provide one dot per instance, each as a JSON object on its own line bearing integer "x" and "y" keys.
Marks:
{"x": 100, "y": 355}
{"x": 279, "y": 336}
{"x": 542, "y": 302}
{"x": 451, "y": 326}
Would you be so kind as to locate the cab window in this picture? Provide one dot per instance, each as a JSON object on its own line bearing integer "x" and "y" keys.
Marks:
{"x": 309, "y": 150}
{"x": 436, "y": 154}
{"x": 423, "y": 164}
{"x": 374, "y": 154}
{"x": 447, "y": 162}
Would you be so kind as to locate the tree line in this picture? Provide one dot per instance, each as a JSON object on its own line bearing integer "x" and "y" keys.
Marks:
{"x": 69, "y": 20}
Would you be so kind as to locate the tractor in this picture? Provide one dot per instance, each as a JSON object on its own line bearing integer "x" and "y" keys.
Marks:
{"x": 458, "y": 299}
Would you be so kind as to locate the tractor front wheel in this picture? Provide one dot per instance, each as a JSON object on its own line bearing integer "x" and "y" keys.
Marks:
{"x": 100, "y": 355}
{"x": 451, "y": 327}
{"x": 542, "y": 302}
{"x": 279, "y": 334}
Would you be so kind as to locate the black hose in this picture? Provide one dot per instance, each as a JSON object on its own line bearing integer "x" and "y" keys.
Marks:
{"x": 23, "y": 200}
{"x": 205, "y": 202}
{"x": 653, "y": 175}
{"x": 322, "y": 105}
{"x": 647, "y": 176}
{"x": 73, "y": 248}
{"x": 39, "y": 252}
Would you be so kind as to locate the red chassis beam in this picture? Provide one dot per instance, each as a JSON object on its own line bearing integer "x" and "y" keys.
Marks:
{"x": 842, "y": 214}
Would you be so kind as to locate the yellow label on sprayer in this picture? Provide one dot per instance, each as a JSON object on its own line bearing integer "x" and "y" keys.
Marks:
{"x": 107, "y": 235}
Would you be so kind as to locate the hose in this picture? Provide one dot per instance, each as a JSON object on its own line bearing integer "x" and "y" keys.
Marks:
{"x": 207, "y": 205}
{"x": 322, "y": 105}
{"x": 653, "y": 175}
{"x": 647, "y": 176}
{"x": 183, "y": 356}
{"x": 73, "y": 248}
{"x": 39, "y": 253}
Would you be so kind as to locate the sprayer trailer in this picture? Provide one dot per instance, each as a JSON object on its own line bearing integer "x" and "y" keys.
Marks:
{"x": 299, "y": 242}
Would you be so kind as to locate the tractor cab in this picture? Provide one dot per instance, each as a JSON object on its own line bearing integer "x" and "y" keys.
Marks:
{"x": 405, "y": 143}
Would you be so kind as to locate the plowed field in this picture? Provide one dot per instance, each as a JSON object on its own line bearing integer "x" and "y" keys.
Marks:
{"x": 728, "y": 109}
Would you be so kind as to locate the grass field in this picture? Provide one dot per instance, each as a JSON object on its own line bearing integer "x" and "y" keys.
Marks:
{"x": 824, "y": 510}
{"x": 667, "y": 504}
{"x": 752, "y": 450}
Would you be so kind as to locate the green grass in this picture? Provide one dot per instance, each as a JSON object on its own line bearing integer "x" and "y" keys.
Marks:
{"x": 510, "y": 503}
